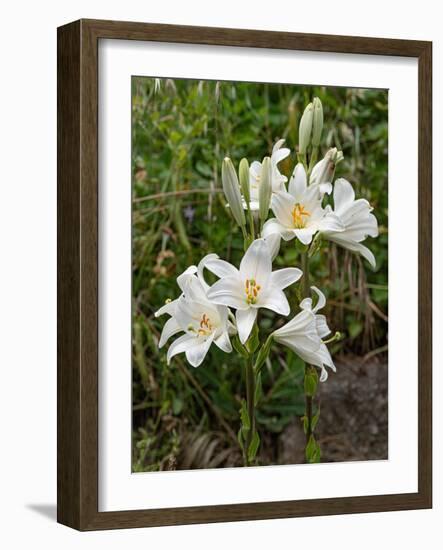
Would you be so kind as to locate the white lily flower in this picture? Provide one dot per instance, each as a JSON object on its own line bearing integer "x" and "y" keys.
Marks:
{"x": 323, "y": 171}
{"x": 320, "y": 320}
{"x": 303, "y": 335}
{"x": 169, "y": 306}
{"x": 323, "y": 187}
{"x": 255, "y": 171}
{"x": 356, "y": 218}
{"x": 252, "y": 286}
{"x": 299, "y": 212}
{"x": 202, "y": 322}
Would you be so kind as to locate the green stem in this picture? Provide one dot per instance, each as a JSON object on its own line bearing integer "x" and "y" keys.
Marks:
{"x": 312, "y": 160}
{"x": 308, "y": 398}
{"x": 250, "y": 395}
{"x": 302, "y": 158}
{"x": 251, "y": 223}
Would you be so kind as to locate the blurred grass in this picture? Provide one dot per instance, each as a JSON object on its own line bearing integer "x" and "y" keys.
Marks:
{"x": 181, "y": 131}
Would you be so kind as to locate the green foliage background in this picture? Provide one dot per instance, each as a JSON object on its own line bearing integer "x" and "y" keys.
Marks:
{"x": 181, "y": 130}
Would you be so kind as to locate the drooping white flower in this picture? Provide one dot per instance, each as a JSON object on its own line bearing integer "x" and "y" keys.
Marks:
{"x": 357, "y": 220}
{"x": 255, "y": 171}
{"x": 303, "y": 335}
{"x": 320, "y": 320}
{"x": 252, "y": 286}
{"x": 202, "y": 322}
{"x": 299, "y": 212}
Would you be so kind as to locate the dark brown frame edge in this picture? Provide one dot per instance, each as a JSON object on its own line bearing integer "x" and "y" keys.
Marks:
{"x": 77, "y": 385}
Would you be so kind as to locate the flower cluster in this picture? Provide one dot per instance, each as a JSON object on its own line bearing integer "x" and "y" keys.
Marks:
{"x": 225, "y": 313}
{"x": 299, "y": 211}
{"x": 204, "y": 313}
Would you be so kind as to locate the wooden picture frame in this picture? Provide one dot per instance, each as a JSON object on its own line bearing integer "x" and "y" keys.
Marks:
{"x": 77, "y": 174}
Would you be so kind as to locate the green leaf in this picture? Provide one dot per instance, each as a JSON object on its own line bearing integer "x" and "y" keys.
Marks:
{"x": 177, "y": 405}
{"x": 254, "y": 341}
{"x": 312, "y": 451}
{"x": 253, "y": 447}
{"x": 315, "y": 419}
{"x": 238, "y": 346}
{"x": 354, "y": 328}
{"x": 240, "y": 438}
{"x": 304, "y": 419}
{"x": 263, "y": 353}
{"x": 311, "y": 382}
{"x": 302, "y": 248}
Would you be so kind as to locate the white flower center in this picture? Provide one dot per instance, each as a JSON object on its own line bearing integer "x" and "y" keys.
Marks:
{"x": 252, "y": 289}
{"x": 299, "y": 215}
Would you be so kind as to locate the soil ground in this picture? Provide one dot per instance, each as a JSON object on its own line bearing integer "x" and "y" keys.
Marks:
{"x": 353, "y": 423}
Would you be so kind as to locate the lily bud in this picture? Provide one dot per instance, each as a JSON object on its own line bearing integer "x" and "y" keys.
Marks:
{"x": 305, "y": 129}
{"x": 243, "y": 171}
{"x": 265, "y": 189}
{"x": 317, "y": 127}
{"x": 231, "y": 189}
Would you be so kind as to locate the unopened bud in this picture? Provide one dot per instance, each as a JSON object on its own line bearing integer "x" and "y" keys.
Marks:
{"x": 305, "y": 129}
{"x": 317, "y": 127}
{"x": 243, "y": 172}
{"x": 231, "y": 189}
{"x": 265, "y": 189}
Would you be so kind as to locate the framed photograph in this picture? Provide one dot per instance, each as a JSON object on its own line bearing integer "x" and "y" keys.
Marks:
{"x": 244, "y": 275}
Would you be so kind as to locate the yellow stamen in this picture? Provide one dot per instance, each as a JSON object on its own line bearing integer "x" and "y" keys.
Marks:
{"x": 297, "y": 216}
{"x": 205, "y": 326}
{"x": 252, "y": 289}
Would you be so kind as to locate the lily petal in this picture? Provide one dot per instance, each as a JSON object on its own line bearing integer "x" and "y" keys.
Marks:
{"x": 344, "y": 194}
{"x": 273, "y": 227}
{"x": 354, "y": 247}
{"x": 277, "y": 145}
{"x": 170, "y": 328}
{"x": 245, "y": 321}
{"x": 298, "y": 181}
{"x": 184, "y": 277}
{"x": 168, "y": 308}
{"x": 256, "y": 263}
{"x": 282, "y": 204}
{"x": 185, "y": 342}
{"x": 223, "y": 342}
{"x": 321, "y": 302}
{"x": 331, "y": 222}
{"x": 279, "y": 155}
{"x": 305, "y": 235}
{"x": 273, "y": 241}
{"x": 196, "y": 354}
{"x": 221, "y": 268}
{"x": 228, "y": 292}
{"x": 282, "y": 278}
{"x": 275, "y": 300}
{"x": 322, "y": 326}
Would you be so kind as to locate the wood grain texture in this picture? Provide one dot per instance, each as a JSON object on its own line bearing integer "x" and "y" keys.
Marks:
{"x": 77, "y": 174}
{"x": 68, "y": 275}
